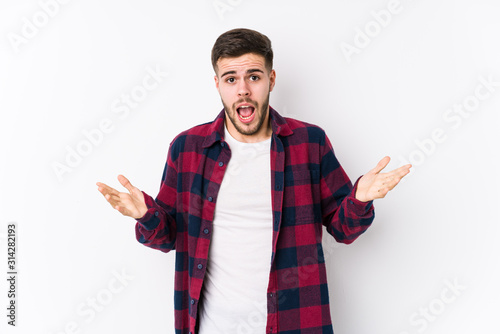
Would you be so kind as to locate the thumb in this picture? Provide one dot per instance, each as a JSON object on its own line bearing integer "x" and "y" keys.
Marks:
{"x": 126, "y": 183}
{"x": 381, "y": 165}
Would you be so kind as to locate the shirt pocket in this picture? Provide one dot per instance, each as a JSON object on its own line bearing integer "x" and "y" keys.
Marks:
{"x": 301, "y": 198}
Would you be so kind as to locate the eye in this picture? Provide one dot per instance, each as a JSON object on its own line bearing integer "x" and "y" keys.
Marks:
{"x": 254, "y": 78}
{"x": 230, "y": 80}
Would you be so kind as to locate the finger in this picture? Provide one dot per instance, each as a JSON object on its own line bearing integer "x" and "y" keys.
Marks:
{"x": 405, "y": 172}
{"x": 393, "y": 183}
{"x": 401, "y": 171}
{"x": 387, "y": 181}
{"x": 381, "y": 165}
{"x": 126, "y": 183}
{"x": 125, "y": 201}
{"x": 105, "y": 189}
{"x": 405, "y": 168}
{"x": 113, "y": 200}
{"x": 397, "y": 178}
{"x": 120, "y": 209}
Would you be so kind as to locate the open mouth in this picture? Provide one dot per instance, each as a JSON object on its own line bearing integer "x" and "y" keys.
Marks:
{"x": 246, "y": 113}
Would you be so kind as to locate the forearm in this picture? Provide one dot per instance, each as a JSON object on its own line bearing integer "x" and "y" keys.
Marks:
{"x": 351, "y": 218}
{"x": 157, "y": 228}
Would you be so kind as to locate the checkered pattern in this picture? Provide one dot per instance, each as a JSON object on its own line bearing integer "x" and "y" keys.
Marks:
{"x": 309, "y": 189}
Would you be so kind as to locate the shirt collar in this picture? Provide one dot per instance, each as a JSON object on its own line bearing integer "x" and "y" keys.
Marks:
{"x": 215, "y": 132}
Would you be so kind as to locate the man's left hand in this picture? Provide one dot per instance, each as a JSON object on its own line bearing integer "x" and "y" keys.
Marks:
{"x": 376, "y": 185}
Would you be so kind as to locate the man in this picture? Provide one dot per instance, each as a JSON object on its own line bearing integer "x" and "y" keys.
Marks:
{"x": 243, "y": 200}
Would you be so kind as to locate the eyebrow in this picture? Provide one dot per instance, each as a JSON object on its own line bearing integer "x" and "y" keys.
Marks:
{"x": 248, "y": 72}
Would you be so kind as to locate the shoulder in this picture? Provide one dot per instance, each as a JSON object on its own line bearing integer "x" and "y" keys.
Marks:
{"x": 191, "y": 140}
{"x": 304, "y": 131}
{"x": 197, "y": 132}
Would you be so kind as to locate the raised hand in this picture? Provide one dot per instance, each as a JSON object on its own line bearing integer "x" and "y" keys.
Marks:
{"x": 130, "y": 204}
{"x": 376, "y": 185}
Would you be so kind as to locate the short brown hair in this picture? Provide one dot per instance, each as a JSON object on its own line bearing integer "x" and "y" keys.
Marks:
{"x": 237, "y": 42}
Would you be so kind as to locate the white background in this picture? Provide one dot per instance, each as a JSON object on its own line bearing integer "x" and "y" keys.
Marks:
{"x": 438, "y": 228}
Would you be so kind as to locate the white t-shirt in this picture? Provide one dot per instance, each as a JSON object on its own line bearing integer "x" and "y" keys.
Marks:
{"x": 235, "y": 285}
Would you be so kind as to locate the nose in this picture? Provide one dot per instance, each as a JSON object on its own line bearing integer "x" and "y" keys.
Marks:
{"x": 243, "y": 89}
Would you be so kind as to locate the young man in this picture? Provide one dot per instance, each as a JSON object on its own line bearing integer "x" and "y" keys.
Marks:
{"x": 243, "y": 200}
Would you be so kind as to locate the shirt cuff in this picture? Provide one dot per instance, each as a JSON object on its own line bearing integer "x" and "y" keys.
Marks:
{"x": 357, "y": 206}
{"x": 151, "y": 218}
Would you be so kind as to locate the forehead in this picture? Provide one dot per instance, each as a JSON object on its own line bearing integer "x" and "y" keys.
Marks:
{"x": 241, "y": 63}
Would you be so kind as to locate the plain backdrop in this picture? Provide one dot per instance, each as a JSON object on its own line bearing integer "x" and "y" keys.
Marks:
{"x": 378, "y": 84}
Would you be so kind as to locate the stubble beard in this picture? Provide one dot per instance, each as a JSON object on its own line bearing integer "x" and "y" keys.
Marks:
{"x": 262, "y": 111}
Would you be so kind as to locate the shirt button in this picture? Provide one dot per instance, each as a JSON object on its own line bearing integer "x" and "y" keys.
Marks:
{"x": 221, "y": 164}
{"x": 192, "y": 301}
{"x": 206, "y": 231}
{"x": 210, "y": 199}
{"x": 222, "y": 144}
{"x": 200, "y": 266}
{"x": 351, "y": 202}
{"x": 278, "y": 187}
{"x": 156, "y": 213}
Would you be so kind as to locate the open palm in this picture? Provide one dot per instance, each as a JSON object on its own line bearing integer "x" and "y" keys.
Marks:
{"x": 375, "y": 184}
{"x": 130, "y": 204}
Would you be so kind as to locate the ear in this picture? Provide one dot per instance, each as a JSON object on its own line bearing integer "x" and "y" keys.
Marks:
{"x": 272, "y": 80}
{"x": 216, "y": 82}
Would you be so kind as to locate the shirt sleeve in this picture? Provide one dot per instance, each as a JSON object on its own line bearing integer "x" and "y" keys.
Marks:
{"x": 157, "y": 228}
{"x": 344, "y": 217}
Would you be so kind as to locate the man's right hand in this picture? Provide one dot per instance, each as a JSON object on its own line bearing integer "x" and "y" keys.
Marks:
{"x": 130, "y": 204}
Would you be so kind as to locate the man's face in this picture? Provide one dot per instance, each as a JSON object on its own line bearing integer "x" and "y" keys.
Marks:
{"x": 244, "y": 85}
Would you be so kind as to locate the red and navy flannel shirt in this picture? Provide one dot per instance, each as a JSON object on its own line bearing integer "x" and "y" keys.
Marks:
{"x": 309, "y": 189}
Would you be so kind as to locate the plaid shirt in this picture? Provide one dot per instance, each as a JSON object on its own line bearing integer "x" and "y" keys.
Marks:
{"x": 309, "y": 189}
